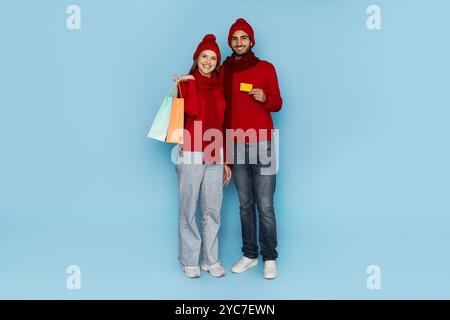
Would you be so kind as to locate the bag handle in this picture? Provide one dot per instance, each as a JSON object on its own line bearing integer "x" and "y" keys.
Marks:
{"x": 179, "y": 89}
{"x": 175, "y": 89}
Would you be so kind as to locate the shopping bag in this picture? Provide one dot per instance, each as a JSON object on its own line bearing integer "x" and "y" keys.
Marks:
{"x": 160, "y": 124}
{"x": 176, "y": 122}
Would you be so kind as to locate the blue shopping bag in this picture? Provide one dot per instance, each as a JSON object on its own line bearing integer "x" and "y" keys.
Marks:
{"x": 160, "y": 125}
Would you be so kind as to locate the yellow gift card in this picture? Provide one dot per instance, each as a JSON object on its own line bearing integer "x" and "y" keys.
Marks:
{"x": 247, "y": 87}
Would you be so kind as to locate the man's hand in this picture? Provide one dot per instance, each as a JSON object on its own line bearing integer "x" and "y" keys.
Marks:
{"x": 226, "y": 174}
{"x": 258, "y": 95}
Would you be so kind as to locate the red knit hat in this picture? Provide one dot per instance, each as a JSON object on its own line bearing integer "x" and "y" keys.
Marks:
{"x": 243, "y": 25}
{"x": 208, "y": 43}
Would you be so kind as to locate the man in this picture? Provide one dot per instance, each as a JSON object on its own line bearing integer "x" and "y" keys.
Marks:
{"x": 252, "y": 93}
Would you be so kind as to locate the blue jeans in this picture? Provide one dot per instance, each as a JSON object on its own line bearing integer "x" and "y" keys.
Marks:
{"x": 256, "y": 188}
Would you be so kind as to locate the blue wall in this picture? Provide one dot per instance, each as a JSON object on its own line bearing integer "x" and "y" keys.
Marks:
{"x": 364, "y": 175}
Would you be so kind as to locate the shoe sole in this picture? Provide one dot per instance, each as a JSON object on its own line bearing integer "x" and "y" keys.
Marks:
{"x": 218, "y": 276}
{"x": 206, "y": 269}
{"x": 251, "y": 265}
{"x": 192, "y": 276}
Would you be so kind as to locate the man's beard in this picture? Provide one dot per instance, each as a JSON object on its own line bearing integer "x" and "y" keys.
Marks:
{"x": 241, "y": 54}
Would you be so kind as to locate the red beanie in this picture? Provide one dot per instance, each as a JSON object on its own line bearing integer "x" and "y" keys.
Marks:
{"x": 243, "y": 25}
{"x": 208, "y": 43}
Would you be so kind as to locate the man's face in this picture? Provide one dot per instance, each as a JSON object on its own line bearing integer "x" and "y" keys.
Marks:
{"x": 240, "y": 43}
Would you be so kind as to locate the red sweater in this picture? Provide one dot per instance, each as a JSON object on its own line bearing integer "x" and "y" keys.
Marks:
{"x": 243, "y": 111}
{"x": 203, "y": 101}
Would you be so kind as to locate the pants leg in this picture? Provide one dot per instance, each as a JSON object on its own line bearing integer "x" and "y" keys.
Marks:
{"x": 242, "y": 176}
{"x": 264, "y": 181}
{"x": 211, "y": 194}
{"x": 264, "y": 190}
{"x": 190, "y": 177}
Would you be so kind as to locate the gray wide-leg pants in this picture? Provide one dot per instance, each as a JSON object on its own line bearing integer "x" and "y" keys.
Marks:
{"x": 204, "y": 181}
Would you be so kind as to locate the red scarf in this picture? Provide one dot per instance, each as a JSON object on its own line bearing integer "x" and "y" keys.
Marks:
{"x": 205, "y": 83}
{"x": 232, "y": 65}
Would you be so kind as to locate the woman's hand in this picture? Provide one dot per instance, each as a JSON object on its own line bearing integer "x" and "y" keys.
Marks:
{"x": 183, "y": 77}
{"x": 226, "y": 174}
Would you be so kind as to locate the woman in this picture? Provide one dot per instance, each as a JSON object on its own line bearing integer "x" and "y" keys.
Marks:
{"x": 201, "y": 173}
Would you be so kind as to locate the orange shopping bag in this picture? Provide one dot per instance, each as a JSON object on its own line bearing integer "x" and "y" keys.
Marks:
{"x": 176, "y": 122}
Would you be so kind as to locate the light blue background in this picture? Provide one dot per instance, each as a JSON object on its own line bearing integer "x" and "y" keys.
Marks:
{"x": 364, "y": 150}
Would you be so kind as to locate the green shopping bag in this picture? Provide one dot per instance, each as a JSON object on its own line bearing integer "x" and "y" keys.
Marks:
{"x": 160, "y": 125}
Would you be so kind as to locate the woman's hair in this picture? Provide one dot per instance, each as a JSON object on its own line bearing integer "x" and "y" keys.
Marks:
{"x": 195, "y": 66}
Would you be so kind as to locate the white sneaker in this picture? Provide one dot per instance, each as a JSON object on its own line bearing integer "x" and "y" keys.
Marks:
{"x": 216, "y": 270}
{"x": 191, "y": 271}
{"x": 244, "y": 264}
{"x": 270, "y": 269}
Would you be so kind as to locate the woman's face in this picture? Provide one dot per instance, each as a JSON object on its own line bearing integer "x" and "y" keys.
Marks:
{"x": 207, "y": 62}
